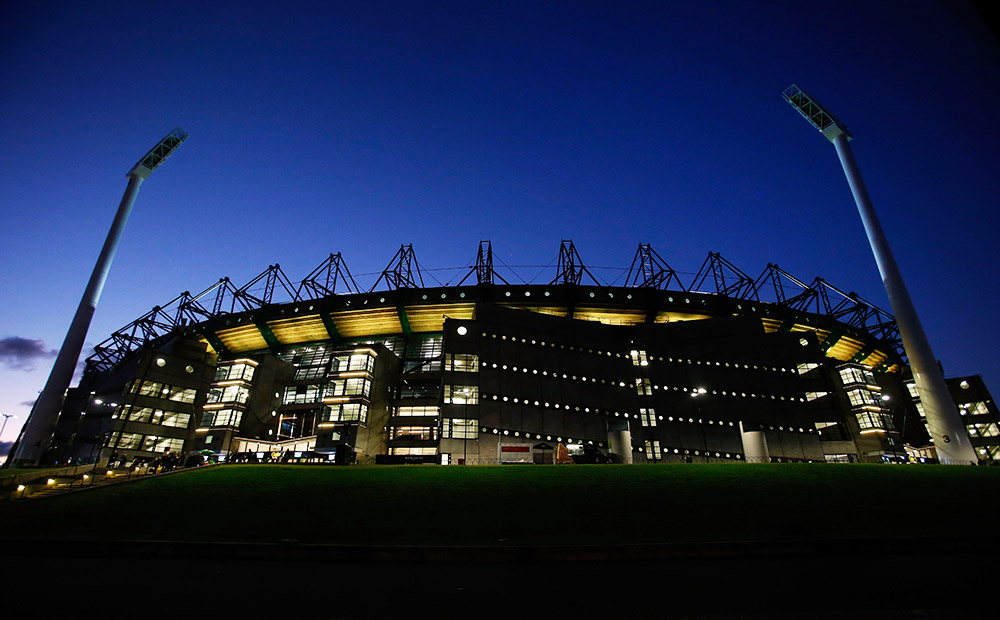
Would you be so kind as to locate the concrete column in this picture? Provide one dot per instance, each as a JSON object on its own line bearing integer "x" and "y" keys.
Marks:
{"x": 943, "y": 420}
{"x": 754, "y": 443}
{"x": 620, "y": 440}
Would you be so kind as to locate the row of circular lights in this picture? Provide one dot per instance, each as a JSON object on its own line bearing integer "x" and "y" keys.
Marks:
{"x": 650, "y": 358}
{"x": 636, "y": 416}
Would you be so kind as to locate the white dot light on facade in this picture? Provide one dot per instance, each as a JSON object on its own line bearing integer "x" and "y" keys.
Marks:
{"x": 462, "y": 330}
{"x": 161, "y": 362}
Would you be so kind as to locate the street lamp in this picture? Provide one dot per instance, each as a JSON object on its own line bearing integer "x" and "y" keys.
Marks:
{"x": 42, "y": 420}
{"x": 943, "y": 422}
{"x": 6, "y": 416}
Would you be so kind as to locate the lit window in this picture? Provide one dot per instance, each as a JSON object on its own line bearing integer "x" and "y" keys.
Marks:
{"x": 643, "y": 387}
{"x": 648, "y": 417}
{"x": 461, "y": 362}
{"x": 461, "y": 394}
{"x": 458, "y": 428}
{"x": 639, "y": 358}
{"x": 653, "y": 450}
{"x": 417, "y": 411}
{"x": 345, "y": 412}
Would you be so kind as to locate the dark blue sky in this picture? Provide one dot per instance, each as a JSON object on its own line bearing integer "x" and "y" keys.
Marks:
{"x": 355, "y": 127}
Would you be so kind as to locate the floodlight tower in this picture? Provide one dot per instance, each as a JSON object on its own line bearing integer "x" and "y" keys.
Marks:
{"x": 40, "y": 424}
{"x": 943, "y": 421}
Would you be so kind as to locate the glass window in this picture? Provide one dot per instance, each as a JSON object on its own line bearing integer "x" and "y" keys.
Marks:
{"x": 639, "y": 358}
{"x": 983, "y": 430}
{"x": 231, "y": 372}
{"x": 459, "y": 428}
{"x": 423, "y": 433}
{"x": 417, "y": 411}
{"x": 162, "y": 444}
{"x": 810, "y": 396}
{"x": 804, "y": 368}
{"x": 648, "y": 417}
{"x": 222, "y": 417}
{"x": 461, "y": 362}
{"x": 912, "y": 388}
{"x": 424, "y": 348}
{"x": 345, "y": 412}
{"x": 129, "y": 441}
{"x": 862, "y": 396}
{"x": 156, "y": 389}
{"x": 354, "y": 386}
{"x": 237, "y": 394}
{"x": 653, "y": 450}
{"x": 310, "y": 372}
{"x": 412, "y": 451}
{"x": 296, "y": 394}
{"x": 312, "y": 355}
{"x": 643, "y": 387}
{"x": 461, "y": 394}
{"x": 852, "y": 375}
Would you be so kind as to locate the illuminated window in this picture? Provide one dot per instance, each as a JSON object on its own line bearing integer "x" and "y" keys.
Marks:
{"x": 129, "y": 441}
{"x": 422, "y": 433}
{"x": 162, "y": 444}
{"x": 852, "y": 375}
{"x": 294, "y": 394}
{"x": 311, "y": 372}
{"x": 639, "y": 358}
{"x": 804, "y": 368}
{"x": 643, "y": 387}
{"x": 424, "y": 348}
{"x": 312, "y": 355}
{"x": 236, "y": 394}
{"x": 461, "y": 362}
{"x": 912, "y": 388}
{"x": 461, "y": 394}
{"x": 860, "y": 396}
{"x": 413, "y": 451}
{"x": 221, "y": 417}
{"x": 975, "y": 408}
{"x": 155, "y": 389}
{"x": 354, "y": 386}
{"x": 417, "y": 411}
{"x": 237, "y": 371}
{"x": 870, "y": 420}
{"x": 345, "y": 412}
{"x": 653, "y": 450}
{"x": 458, "y": 428}
{"x": 983, "y": 430}
{"x": 357, "y": 362}
{"x": 648, "y": 417}
{"x": 920, "y": 410}
{"x": 811, "y": 396}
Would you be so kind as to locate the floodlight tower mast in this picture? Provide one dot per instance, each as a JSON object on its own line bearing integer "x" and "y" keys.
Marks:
{"x": 943, "y": 421}
{"x": 40, "y": 424}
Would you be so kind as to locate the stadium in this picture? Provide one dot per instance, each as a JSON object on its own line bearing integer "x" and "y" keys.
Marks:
{"x": 728, "y": 368}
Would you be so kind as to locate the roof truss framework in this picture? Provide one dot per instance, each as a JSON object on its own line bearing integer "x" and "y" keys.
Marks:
{"x": 570, "y": 268}
{"x": 400, "y": 270}
{"x": 485, "y": 273}
{"x": 729, "y": 280}
{"x": 648, "y": 270}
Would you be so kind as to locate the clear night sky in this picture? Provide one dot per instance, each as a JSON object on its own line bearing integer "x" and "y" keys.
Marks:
{"x": 356, "y": 127}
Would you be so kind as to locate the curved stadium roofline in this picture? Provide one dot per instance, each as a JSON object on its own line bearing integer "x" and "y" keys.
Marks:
{"x": 271, "y": 312}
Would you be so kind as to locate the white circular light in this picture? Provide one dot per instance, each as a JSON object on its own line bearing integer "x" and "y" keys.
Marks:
{"x": 462, "y": 330}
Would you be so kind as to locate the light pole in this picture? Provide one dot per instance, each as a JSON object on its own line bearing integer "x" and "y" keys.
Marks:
{"x": 38, "y": 429}
{"x": 6, "y": 416}
{"x": 943, "y": 421}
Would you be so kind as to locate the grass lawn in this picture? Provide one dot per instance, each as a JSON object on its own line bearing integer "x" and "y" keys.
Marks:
{"x": 485, "y": 505}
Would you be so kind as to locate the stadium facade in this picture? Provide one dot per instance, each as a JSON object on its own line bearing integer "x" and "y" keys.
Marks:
{"x": 727, "y": 369}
